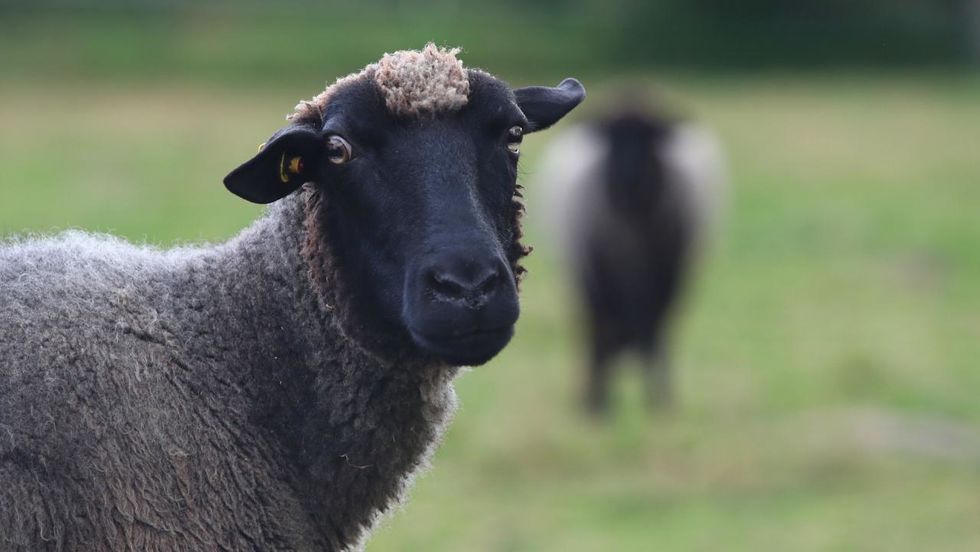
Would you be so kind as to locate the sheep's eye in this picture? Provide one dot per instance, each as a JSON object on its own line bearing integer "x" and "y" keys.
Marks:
{"x": 515, "y": 135}
{"x": 338, "y": 150}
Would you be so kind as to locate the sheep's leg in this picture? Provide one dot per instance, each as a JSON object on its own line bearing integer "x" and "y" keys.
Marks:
{"x": 604, "y": 332}
{"x": 657, "y": 377}
{"x": 597, "y": 392}
{"x": 597, "y": 384}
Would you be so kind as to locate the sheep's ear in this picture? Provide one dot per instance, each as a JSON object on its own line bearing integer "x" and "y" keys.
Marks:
{"x": 544, "y": 106}
{"x": 282, "y": 165}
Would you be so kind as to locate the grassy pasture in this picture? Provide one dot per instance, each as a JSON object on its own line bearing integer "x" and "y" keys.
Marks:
{"x": 828, "y": 365}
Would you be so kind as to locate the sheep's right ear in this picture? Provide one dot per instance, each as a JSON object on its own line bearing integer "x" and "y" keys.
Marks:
{"x": 545, "y": 105}
{"x": 282, "y": 165}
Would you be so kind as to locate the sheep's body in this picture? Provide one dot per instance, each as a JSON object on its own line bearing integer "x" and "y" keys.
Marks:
{"x": 573, "y": 202}
{"x": 278, "y": 391}
{"x": 199, "y": 398}
{"x": 630, "y": 258}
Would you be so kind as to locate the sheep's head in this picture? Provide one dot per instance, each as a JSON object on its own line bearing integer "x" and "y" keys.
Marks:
{"x": 635, "y": 168}
{"x": 412, "y": 164}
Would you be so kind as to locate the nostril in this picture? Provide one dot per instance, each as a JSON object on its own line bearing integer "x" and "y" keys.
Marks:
{"x": 489, "y": 282}
{"x": 444, "y": 284}
{"x": 472, "y": 283}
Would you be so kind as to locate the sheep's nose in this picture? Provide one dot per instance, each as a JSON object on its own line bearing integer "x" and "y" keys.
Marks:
{"x": 469, "y": 282}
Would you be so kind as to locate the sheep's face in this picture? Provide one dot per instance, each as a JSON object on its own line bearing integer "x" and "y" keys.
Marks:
{"x": 635, "y": 171}
{"x": 423, "y": 211}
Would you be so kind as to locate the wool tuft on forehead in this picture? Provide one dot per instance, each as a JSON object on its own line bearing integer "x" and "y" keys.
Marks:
{"x": 413, "y": 82}
{"x": 427, "y": 81}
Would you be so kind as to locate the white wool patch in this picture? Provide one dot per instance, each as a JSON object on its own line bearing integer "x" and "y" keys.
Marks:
{"x": 696, "y": 162}
{"x": 413, "y": 82}
{"x": 429, "y": 81}
{"x": 569, "y": 182}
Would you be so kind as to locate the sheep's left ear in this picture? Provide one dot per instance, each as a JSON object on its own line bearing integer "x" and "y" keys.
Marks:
{"x": 544, "y": 106}
{"x": 282, "y": 165}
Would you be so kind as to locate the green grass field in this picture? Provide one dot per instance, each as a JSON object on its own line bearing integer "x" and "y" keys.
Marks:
{"x": 828, "y": 365}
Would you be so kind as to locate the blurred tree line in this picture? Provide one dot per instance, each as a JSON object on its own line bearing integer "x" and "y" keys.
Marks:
{"x": 793, "y": 32}
{"x": 606, "y": 35}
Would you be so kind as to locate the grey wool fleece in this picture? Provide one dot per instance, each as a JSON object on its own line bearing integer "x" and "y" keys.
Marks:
{"x": 209, "y": 398}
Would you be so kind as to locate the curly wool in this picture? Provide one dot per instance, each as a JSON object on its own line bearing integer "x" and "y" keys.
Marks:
{"x": 414, "y": 83}
{"x": 426, "y": 82}
{"x": 200, "y": 398}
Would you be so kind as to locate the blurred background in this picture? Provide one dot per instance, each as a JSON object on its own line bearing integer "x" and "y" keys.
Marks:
{"x": 826, "y": 362}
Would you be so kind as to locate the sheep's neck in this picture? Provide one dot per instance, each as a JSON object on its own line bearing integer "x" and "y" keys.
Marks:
{"x": 353, "y": 426}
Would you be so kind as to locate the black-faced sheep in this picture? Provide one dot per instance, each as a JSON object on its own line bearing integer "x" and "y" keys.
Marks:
{"x": 629, "y": 195}
{"x": 278, "y": 391}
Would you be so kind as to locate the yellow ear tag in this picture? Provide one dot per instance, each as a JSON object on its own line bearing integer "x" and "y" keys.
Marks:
{"x": 261, "y": 147}
{"x": 295, "y": 166}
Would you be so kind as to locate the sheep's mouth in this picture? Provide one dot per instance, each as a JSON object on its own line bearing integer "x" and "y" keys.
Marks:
{"x": 470, "y": 348}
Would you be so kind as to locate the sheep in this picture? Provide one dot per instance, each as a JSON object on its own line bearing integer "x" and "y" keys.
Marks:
{"x": 629, "y": 196}
{"x": 280, "y": 390}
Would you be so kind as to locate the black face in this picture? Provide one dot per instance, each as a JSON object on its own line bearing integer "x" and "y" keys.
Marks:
{"x": 425, "y": 217}
{"x": 635, "y": 169}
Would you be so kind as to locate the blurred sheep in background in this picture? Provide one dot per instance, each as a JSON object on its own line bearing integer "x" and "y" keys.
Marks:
{"x": 628, "y": 197}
